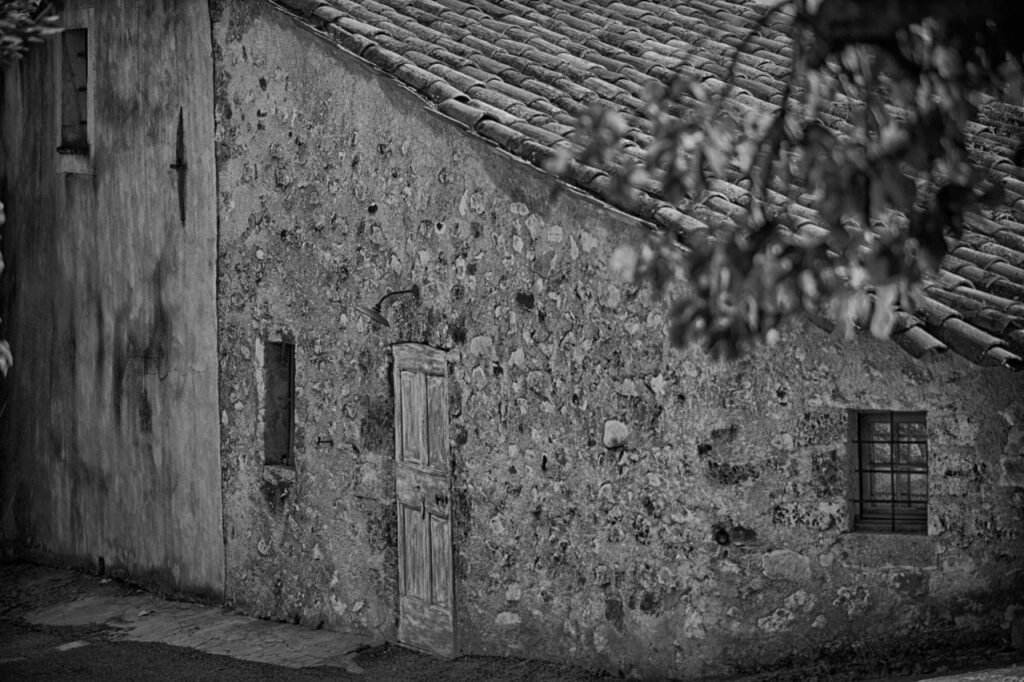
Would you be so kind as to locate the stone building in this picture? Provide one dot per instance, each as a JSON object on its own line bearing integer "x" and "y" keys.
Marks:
{"x": 517, "y": 463}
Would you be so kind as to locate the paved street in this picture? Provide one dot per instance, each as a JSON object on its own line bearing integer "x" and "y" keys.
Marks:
{"x": 33, "y": 653}
{"x": 142, "y": 617}
{"x": 62, "y": 625}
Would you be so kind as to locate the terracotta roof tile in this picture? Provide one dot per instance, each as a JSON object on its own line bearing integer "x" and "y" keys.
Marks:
{"x": 327, "y": 13}
{"x": 978, "y": 311}
{"x": 505, "y": 137}
{"x": 1015, "y": 340}
{"x": 973, "y": 343}
{"x": 440, "y": 90}
{"x": 519, "y": 73}
{"x": 457, "y": 78}
{"x": 306, "y": 7}
{"x": 356, "y": 44}
{"x": 918, "y": 342}
{"x": 415, "y": 77}
{"x": 384, "y": 58}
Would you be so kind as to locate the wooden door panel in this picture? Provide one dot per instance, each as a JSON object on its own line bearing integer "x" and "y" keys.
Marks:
{"x": 437, "y": 423}
{"x": 414, "y": 422}
{"x": 423, "y": 490}
{"x": 440, "y": 560}
{"x": 426, "y": 627}
{"x": 416, "y": 548}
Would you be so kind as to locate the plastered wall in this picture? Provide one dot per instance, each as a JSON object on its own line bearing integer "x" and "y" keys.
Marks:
{"x": 110, "y": 442}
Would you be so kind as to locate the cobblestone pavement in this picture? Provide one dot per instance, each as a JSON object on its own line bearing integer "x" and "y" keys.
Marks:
{"x": 105, "y": 612}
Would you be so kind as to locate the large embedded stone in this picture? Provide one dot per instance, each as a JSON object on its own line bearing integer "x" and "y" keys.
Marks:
{"x": 513, "y": 593}
{"x": 627, "y": 388}
{"x": 508, "y": 619}
{"x": 1013, "y": 472}
{"x": 481, "y": 345}
{"x": 785, "y": 564}
{"x": 615, "y": 433}
{"x": 779, "y": 620}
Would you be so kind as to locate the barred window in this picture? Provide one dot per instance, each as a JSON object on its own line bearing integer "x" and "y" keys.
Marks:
{"x": 891, "y": 484}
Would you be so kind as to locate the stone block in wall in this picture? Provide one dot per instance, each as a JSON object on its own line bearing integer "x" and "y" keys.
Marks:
{"x": 874, "y": 550}
{"x": 1015, "y": 617}
{"x": 615, "y": 434}
{"x": 732, "y": 474}
{"x": 828, "y": 470}
{"x": 823, "y": 515}
{"x": 1012, "y": 472}
{"x": 276, "y": 486}
{"x": 785, "y": 564}
{"x": 822, "y": 427}
{"x": 910, "y": 583}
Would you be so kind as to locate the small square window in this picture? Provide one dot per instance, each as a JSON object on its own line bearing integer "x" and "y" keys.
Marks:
{"x": 890, "y": 492}
{"x": 279, "y": 403}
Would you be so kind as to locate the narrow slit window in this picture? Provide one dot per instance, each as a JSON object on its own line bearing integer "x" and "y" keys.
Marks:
{"x": 279, "y": 404}
{"x": 74, "y": 96}
{"x": 74, "y": 91}
{"x": 891, "y": 493}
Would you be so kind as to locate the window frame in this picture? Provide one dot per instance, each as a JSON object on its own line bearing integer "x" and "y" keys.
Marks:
{"x": 900, "y": 509}
{"x": 69, "y": 161}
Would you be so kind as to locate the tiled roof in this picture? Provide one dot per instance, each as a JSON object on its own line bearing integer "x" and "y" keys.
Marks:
{"x": 520, "y": 73}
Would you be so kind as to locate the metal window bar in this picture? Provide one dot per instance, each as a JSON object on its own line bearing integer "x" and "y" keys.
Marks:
{"x": 907, "y": 511}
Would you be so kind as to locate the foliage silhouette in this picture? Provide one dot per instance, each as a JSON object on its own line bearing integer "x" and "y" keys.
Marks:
{"x": 870, "y": 133}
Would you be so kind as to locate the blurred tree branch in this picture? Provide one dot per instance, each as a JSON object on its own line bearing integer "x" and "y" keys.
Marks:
{"x": 22, "y": 23}
{"x": 871, "y": 128}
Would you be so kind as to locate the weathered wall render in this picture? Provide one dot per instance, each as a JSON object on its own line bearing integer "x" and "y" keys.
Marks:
{"x": 110, "y": 434}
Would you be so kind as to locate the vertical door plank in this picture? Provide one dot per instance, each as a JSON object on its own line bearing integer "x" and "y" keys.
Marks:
{"x": 413, "y": 417}
{"x": 437, "y": 422}
{"x": 440, "y": 561}
{"x": 402, "y": 554}
{"x": 417, "y": 554}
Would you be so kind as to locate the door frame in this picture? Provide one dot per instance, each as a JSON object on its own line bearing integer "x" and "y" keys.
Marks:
{"x": 429, "y": 361}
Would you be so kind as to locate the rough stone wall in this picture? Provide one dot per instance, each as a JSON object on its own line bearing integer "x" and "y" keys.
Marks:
{"x": 336, "y": 186}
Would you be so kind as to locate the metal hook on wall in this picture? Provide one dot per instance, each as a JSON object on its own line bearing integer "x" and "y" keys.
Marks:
{"x": 375, "y": 312}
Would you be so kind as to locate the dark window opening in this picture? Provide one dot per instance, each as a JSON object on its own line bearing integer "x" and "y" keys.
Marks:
{"x": 279, "y": 404}
{"x": 891, "y": 482}
{"x": 74, "y": 92}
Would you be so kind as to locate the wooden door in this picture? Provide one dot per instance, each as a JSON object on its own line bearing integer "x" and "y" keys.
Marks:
{"x": 423, "y": 479}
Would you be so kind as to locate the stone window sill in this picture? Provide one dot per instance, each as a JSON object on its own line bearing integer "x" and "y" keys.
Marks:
{"x": 277, "y": 473}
